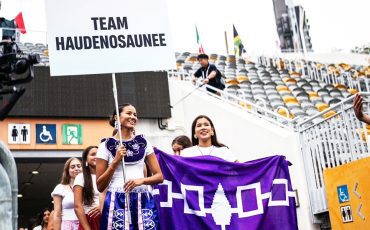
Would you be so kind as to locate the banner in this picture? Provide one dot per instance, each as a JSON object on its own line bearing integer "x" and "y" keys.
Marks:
{"x": 111, "y": 36}
{"x": 209, "y": 193}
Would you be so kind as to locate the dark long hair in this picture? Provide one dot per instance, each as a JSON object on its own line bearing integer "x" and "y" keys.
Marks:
{"x": 112, "y": 120}
{"x": 40, "y": 217}
{"x": 184, "y": 141}
{"x": 88, "y": 189}
{"x": 214, "y": 140}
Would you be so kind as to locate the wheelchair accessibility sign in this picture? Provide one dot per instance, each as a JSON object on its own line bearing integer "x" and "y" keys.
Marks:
{"x": 343, "y": 194}
{"x": 46, "y": 134}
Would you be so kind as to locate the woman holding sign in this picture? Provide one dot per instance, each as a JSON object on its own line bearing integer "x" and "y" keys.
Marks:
{"x": 130, "y": 198}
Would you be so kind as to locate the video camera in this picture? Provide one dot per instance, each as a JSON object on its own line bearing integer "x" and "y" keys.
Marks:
{"x": 15, "y": 68}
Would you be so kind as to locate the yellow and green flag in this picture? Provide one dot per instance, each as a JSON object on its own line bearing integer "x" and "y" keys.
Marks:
{"x": 238, "y": 45}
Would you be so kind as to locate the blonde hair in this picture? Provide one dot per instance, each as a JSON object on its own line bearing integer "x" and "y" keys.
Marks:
{"x": 66, "y": 178}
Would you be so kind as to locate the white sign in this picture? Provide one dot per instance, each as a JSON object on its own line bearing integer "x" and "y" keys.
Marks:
{"x": 346, "y": 213}
{"x": 111, "y": 36}
{"x": 19, "y": 134}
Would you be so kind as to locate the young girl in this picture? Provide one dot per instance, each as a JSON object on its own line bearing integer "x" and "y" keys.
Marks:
{"x": 180, "y": 143}
{"x": 86, "y": 192}
{"x": 64, "y": 214}
{"x": 205, "y": 141}
{"x": 133, "y": 195}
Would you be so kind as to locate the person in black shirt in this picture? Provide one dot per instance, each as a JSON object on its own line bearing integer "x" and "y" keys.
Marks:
{"x": 209, "y": 73}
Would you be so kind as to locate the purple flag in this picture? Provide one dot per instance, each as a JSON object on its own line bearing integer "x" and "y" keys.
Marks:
{"x": 209, "y": 193}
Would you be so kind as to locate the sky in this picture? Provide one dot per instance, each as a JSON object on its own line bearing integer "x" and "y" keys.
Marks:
{"x": 335, "y": 24}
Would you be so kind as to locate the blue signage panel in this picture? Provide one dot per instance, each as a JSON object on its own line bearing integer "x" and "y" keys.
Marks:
{"x": 46, "y": 134}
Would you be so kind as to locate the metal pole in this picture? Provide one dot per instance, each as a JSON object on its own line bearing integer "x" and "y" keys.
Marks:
{"x": 115, "y": 95}
{"x": 227, "y": 44}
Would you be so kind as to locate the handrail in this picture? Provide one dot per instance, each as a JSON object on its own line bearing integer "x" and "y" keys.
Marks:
{"x": 330, "y": 109}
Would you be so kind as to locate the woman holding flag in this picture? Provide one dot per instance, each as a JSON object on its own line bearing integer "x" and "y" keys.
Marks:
{"x": 128, "y": 203}
{"x": 205, "y": 143}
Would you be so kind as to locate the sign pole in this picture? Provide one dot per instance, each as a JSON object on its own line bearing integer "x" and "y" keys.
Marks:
{"x": 115, "y": 95}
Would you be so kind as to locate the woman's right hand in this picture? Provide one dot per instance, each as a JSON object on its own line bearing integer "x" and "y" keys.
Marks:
{"x": 120, "y": 153}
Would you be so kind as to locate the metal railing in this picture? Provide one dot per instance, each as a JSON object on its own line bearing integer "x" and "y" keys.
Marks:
{"x": 328, "y": 143}
{"x": 238, "y": 101}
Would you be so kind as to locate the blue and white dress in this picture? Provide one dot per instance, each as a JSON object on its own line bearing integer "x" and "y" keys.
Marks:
{"x": 144, "y": 214}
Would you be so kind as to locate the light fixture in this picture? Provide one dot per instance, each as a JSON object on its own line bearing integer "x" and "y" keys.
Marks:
{"x": 19, "y": 195}
{"x": 35, "y": 172}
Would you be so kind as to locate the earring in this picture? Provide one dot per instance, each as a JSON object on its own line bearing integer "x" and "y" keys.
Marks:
{"x": 116, "y": 125}
{"x": 87, "y": 164}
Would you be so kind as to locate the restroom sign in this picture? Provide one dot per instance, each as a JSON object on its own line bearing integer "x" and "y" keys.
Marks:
{"x": 72, "y": 134}
{"x": 19, "y": 134}
{"x": 346, "y": 213}
{"x": 46, "y": 134}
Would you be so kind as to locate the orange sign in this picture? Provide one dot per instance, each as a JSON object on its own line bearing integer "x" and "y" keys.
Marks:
{"x": 93, "y": 131}
{"x": 348, "y": 195}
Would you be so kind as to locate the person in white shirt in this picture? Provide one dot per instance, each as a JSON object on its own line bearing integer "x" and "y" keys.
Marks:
{"x": 128, "y": 202}
{"x": 205, "y": 141}
{"x": 86, "y": 192}
{"x": 64, "y": 214}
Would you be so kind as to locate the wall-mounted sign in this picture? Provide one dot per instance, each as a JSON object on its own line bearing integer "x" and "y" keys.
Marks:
{"x": 343, "y": 195}
{"x": 19, "y": 134}
{"x": 72, "y": 134}
{"x": 46, "y": 134}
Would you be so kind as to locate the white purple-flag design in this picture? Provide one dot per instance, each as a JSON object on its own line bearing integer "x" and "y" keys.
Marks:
{"x": 209, "y": 193}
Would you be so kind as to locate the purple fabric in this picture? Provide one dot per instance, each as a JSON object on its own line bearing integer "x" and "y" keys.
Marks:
{"x": 231, "y": 197}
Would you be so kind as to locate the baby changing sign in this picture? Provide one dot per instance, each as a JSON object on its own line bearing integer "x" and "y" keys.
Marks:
{"x": 46, "y": 134}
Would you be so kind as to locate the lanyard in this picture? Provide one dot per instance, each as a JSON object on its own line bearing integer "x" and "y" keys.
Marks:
{"x": 206, "y": 73}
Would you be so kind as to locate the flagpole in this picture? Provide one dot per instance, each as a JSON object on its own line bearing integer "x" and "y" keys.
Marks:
{"x": 115, "y": 95}
{"x": 227, "y": 44}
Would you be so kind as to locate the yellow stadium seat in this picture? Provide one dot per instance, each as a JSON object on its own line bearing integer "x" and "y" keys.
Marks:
{"x": 288, "y": 99}
{"x": 242, "y": 78}
{"x": 321, "y": 106}
{"x": 232, "y": 81}
{"x": 283, "y": 113}
{"x": 288, "y": 79}
{"x": 352, "y": 91}
{"x": 340, "y": 86}
{"x": 282, "y": 88}
{"x": 313, "y": 94}
{"x": 329, "y": 114}
{"x": 345, "y": 66}
{"x": 295, "y": 74}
